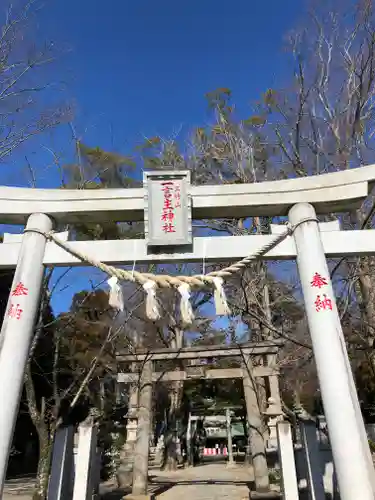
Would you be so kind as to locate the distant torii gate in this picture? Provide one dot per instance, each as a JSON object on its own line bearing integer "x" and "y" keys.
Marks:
{"x": 300, "y": 199}
{"x": 136, "y": 449}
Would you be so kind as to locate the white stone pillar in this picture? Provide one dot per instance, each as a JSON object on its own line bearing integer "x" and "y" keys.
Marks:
{"x": 274, "y": 415}
{"x": 84, "y": 480}
{"x": 229, "y": 437}
{"x": 274, "y": 380}
{"x": 18, "y": 329}
{"x": 341, "y": 405}
{"x": 287, "y": 463}
{"x": 189, "y": 450}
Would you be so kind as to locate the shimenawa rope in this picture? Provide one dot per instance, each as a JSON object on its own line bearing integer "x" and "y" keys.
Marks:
{"x": 183, "y": 284}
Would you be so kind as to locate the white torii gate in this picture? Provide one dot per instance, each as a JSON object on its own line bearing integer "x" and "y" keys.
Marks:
{"x": 311, "y": 242}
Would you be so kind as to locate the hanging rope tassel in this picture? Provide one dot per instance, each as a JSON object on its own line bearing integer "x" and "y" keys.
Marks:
{"x": 187, "y": 314}
{"x": 116, "y": 298}
{"x": 220, "y": 299}
{"x": 152, "y": 309}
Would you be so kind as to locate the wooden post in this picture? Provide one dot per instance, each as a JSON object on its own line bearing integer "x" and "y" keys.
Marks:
{"x": 254, "y": 417}
{"x": 229, "y": 437}
{"x": 142, "y": 445}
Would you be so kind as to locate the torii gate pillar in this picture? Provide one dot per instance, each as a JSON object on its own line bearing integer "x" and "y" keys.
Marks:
{"x": 351, "y": 453}
{"x": 18, "y": 328}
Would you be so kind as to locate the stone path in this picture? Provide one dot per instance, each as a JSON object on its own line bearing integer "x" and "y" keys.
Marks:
{"x": 211, "y": 481}
{"x": 18, "y": 489}
{"x": 207, "y": 482}
{"x": 15, "y": 496}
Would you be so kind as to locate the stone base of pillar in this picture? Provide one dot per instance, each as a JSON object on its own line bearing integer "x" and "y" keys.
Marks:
{"x": 159, "y": 452}
{"x": 230, "y": 465}
{"x": 139, "y": 497}
{"x": 124, "y": 473}
{"x": 268, "y": 495}
{"x": 124, "y": 477}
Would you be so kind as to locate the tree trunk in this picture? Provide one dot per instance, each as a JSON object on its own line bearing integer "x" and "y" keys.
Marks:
{"x": 44, "y": 463}
{"x": 366, "y": 289}
{"x": 170, "y": 461}
{"x": 142, "y": 445}
{"x": 260, "y": 383}
{"x": 247, "y": 459}
{"x": 45, "y": 437}
{"x": 267, "y": 334}
{"x": 256, "y": 427}
{"x": 171, "y": 453}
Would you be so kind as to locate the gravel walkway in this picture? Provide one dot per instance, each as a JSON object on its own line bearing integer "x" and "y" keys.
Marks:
{"x": 211, "y": 481}
{"x": 207, "y": 482}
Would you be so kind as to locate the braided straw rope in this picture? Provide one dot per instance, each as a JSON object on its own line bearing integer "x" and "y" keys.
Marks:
{"x": 167, "y": 281}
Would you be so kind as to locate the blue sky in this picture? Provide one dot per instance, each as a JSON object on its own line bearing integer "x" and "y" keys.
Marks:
{"x": 140, "y": 68}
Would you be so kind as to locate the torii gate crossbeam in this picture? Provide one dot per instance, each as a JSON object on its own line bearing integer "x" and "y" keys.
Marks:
{"x": 335, "y": 192}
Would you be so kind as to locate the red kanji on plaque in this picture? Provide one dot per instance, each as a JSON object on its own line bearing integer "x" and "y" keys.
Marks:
{"x": 15, "y": 311}
{"x": 19, "y": 290}
{"x": 323, "y": 304}
{"x": 169, "y": 228}
{"x": 318, "y": 281}
{"x": 168, "y": 215}
{"x": 177, "y": 196}
{"x": 167, "y": 204}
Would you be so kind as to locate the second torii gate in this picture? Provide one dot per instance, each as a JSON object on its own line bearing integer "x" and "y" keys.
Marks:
{"x": 136, "y": 449}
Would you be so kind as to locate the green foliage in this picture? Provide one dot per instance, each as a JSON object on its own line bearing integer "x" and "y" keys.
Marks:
{"x": 230, "y": 149}
{"x": 255, "y": 121}
{"x": 68, "y": 348}
{"x": 83, "y": 332}
{"x": 206, "y": 393}
{"x": 275, "y": 477}
{"x": 219, "y": 98}
{"x": 372, "y": 445}
{"x": 365, "y": 381}
{"x": 157, "y": 154}
{"x": 93, "y": 231}
{"x": 149, "y": 143}
{"x": 98, "y": 169}
{"x": 270, "y": 98}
